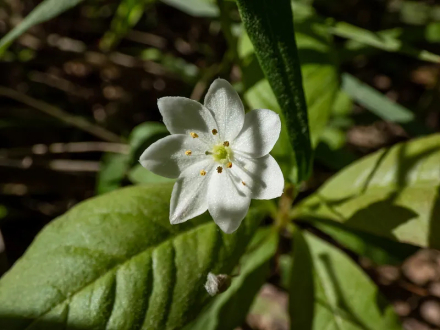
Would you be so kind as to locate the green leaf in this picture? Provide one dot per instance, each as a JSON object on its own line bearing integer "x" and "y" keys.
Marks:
{"x": 381, "y": 105}
{"x": 127, "y": 15}
{"x": 340, "y": 297}
{"x": 381, "y": 251}
{"x": 115, "y": 262}
{"x": 270, "y": 27}
{"x": 142, "y": 136}
{"x": 229, "y": 309}
{"x": 139, "y": 174}
{"x": 392, "y": 193}
{"x": 320, "y": 78}
{"x": 45, "y": 11}
{"x": 197, "y": 8}
{"x": 112, "y": 172}
{"x": 385, "y": 41}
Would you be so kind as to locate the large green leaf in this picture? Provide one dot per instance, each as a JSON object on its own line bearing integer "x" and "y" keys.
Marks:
{"x": 320, "y": 79}
{"x": 270, "y": 27}
{"x": 392, "y": 193}
{"x": 115, "y": 262}
{"x": 340, "y": 297}
{"x": 45, "y": 11}
{"x": 229, "y": 309}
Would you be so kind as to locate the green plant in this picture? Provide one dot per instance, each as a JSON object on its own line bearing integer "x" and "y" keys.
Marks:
{"x": 116, "y": 262}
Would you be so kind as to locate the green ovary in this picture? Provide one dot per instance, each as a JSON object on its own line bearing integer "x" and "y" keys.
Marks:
{"x": 221, "y": 153}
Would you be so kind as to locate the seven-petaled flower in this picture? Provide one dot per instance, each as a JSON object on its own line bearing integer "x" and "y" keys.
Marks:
{"x": 219, "y": 155}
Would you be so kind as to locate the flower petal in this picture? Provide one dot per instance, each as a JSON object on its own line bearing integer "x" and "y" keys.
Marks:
{"x": 262, "y": 176}
{"x": 185, "y": 116}
{"x": 260, "y": 132}
{"x": 228, "y": 203}
{"x": 225, "y": 104}
{"x": 167, "y": 157}
{"x": 188, "y": 199}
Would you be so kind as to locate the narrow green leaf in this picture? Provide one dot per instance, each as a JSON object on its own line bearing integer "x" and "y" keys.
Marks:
{"x": 197, "y": 8}
{"x": 115, "y": 262}
{"x": 392, "y": 193}
{"x": 320, "y": 77}
{"x": 270, "y": 28}
{"x": 229, "y": 309}
{"x": 45, "y": 11}
{"x": 384, "y": 41}
{"x": 127, "y": 15}
{"x": 381, "y": 251}
{"x": 381, "y": 105}
{"x": 344, "y": 297}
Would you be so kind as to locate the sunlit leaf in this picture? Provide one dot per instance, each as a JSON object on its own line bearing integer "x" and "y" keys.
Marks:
{"x": 116, "y": 262}
{"x": 392, "y": 193}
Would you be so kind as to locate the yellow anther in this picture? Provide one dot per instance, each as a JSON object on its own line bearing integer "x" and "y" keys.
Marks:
{"x": 214, "y": 131}
{"x": 219, "y": 169}
{"x": 188, "y": 152}
{"x": 194, "y": 135}
{"x": 229, "y": 165}
{"x": 243, "y": 183}
{"x": 226, "y": 143}
{"x": 202, "y": 172}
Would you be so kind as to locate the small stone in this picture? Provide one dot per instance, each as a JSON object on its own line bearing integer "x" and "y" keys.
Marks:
{"x": 430, "y": 311}
{"x": 402, "y": 308}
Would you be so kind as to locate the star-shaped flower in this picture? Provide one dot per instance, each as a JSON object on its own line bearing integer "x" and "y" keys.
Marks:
{"x": 219, "y": 155}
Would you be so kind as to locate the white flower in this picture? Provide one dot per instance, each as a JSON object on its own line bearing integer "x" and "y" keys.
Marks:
{"x": 219, "y": 155}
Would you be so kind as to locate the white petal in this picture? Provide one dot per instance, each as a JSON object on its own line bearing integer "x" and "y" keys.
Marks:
{"x": 166, "y": 157}
{"x": 260, "y": 132}
{"x": 228, "y": 202}
{"x": 262, "y": 176}
{"x": 189, "y": 197}
{"x": 184, "y": 116}
{"x": 227, "y": 108}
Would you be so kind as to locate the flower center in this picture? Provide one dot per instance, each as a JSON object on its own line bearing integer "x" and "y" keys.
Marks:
{"x": 222, "y": 153}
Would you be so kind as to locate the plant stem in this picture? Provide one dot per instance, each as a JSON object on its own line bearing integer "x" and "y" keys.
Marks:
{"x": 64, "y": 116}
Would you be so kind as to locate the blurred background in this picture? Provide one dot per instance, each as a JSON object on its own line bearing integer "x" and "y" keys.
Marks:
{"x": 78, "y": 105}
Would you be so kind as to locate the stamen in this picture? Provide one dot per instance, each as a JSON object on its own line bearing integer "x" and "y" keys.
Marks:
{"x": 219, "y": 169}
{"x": 226, "y": 143}
{"x": 243, "y": 183}
{"x": 188, "y": 152}
{"x": 208, "y": 153}
{"x": 229, "y": 165}
{"x": 202, "y": 172}
{"x": 214, "y": 131}
{"x": 194, "y": 135}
